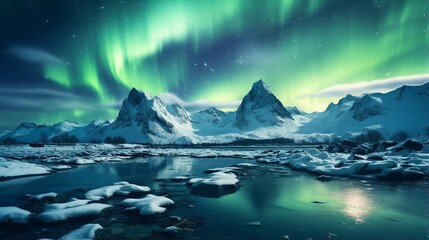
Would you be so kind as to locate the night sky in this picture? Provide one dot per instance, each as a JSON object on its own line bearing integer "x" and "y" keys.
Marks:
{"x": 77, "y": 60}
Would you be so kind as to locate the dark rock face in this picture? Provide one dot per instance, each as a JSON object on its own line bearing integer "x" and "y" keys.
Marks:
{"x": 211, "y": 190}
{"x": 359, "y": 150}
{"x": 349, "y": 143}
{"x": 413, "y": 145}
{"x": 366, "y": 107}
{"x": 375, "y": 157}
{"x": 262, "y": 106}
{"x": 141, "y": 109}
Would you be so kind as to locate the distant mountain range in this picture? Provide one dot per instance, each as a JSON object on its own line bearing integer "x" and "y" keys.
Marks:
{"x": 144, "y": 118}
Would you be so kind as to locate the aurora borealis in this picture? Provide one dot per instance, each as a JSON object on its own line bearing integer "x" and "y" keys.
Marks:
{"x": 77, "y": 60}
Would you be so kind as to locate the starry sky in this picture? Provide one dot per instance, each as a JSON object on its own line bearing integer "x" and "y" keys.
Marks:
{"x": 77, "y": 60}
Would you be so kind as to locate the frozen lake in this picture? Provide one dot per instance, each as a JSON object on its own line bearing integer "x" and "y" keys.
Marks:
{"x": 285, "y": 202}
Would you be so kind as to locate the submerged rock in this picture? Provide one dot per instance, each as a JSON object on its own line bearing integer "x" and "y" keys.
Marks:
{"x": 323, "y": 178}
{"x": 254, "y": 224}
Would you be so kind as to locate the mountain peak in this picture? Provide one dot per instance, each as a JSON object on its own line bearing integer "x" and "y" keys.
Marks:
{"x": 260, "y": 108}
{"x": 260, "y": 87}
{"x": 135, "y": 97}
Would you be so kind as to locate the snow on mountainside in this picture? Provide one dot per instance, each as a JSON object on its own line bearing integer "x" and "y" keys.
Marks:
{"x": 404, "y": 109}
{"x": 146, "y": 119}
{"x": 31, "y": 132}
{"x": 260, "y": 108}
{"x": 212, "y": 121}
{"x": 4, "y": 132}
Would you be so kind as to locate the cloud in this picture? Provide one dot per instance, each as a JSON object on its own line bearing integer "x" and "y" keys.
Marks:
{"x": 170, "y": 98}
{"x": 34, "y": 55}
{"x": 358, "y": 88}
{"x": 45, "y": 99}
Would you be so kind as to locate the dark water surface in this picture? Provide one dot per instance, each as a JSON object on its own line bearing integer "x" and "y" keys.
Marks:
{"x": 285, "y": 202}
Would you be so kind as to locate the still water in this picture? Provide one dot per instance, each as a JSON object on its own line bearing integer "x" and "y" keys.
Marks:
{"x": 285, "y": 202}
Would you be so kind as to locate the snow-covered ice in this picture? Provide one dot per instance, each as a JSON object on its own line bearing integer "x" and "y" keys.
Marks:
{"x": 13, "y": 168}
{"x": 149, "y": 205}
{"x": 43, "y": 196}
{"x": 65, "y": 212}
{"x": 119, "y": 188}
{"x": 86, "y": 232}
{"x": 14, "y": 215}
{"x": 217, "y": 184}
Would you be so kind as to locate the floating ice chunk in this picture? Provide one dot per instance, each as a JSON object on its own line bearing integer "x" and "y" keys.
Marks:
{"x": 71, "y": 204}
{"x": 82, "y": 161}
{"x": 149, "y": 205}
{"x": 60, "y": 167}
{"x": 50, "y": 195}
{"x": 268, "y": 160}
{"x": 86, "y": 232}
{"x": 13, "y": 168}
{"x": 180, "y": 178}
{"x": 14, "y": 215}
{"x": 313, "y": 151}
{"x": 120, "y": 188}
{"x": 380, "y": 165}
{"x": 330, "y": 169}
{"x": 54, "y": 214}
{"x": 254, "y": 224}
{"x": 245, "y": 165}
{"x": 171, "y": 230}
{"x": 223, "y": 169}
{"x": 217, "y": 184}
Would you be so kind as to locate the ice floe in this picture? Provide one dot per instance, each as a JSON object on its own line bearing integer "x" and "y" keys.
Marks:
{"x": 217, "y": 184}
{"x": 73, "y": 209}
{"x": 119, "y": 188}
{"x": 43, "y": 196}
{"x": 149, "y": 205}
{"x": 86, "y": 232}
{"x": 13, "y": 215}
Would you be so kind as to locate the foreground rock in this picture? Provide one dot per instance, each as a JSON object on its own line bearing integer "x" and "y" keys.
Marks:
{"x": 149, "y": 205}
{"x": 14, "y": 215}
{"x": 74, "y": 209}
{"x": 119, "y": 188}
{"x": 216, "y": 185}
{"x": 86, "y": 232}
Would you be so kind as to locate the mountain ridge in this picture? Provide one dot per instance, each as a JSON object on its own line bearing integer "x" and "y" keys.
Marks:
{"x": 144, "y": 118}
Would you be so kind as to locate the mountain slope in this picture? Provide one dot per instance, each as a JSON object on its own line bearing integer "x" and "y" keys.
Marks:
{"x": 260, "y": 108}
{"x": 404, "y": 109}
{"x": 146, "y": 119}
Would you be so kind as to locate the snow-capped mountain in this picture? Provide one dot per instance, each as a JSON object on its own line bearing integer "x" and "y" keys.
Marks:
{"x": 31, "y": 132}
{"x": 146, "y": 119}
{"x": 260, "y": 108}
{"x": 4, "y": 132}
{"x": 404, "y": 109}
{"x": 212, "y": 121}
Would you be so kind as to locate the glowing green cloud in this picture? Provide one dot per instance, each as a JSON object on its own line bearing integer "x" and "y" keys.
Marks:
{"x": 58, "y": 74}
{"x": 215, "y": 50}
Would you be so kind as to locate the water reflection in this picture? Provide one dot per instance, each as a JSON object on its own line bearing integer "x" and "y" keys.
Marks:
{"x": 357, "y": 204}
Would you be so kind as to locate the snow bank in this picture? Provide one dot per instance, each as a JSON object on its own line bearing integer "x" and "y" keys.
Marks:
{"x": 149, "y": 205}
{"x": 14, "y": 215}
{"x": 13, "y": 168}
{"x": 86, "y": 232}
{"x": 119, "y": 188}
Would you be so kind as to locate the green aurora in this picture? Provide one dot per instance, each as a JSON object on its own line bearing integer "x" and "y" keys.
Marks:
{"x": 211, "y": 50}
